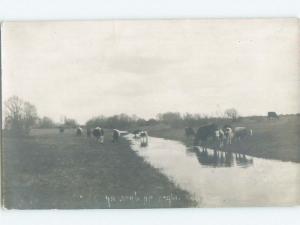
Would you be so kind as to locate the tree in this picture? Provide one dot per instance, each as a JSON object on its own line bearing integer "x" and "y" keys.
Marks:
{"x": 232, "y": 114}
{"x": 173, "y": 119}
{"x": 169, "y": 117}
{"x": 70, "y": 123}
{"x": 13, "y": 113}
{"x": 20, "y": 116}
{"x": 30, "y": 116}
{"x": 189, "y": 119}
{"x": 151, "y": 122}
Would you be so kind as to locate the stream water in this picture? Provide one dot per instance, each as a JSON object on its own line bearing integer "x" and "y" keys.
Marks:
{"x": 219, "y": 179}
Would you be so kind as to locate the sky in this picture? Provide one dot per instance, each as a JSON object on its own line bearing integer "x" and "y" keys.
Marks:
{"x": 145, "y": 67}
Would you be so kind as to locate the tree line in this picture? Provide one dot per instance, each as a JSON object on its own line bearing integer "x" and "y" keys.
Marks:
{"x": 21, "y": 116}
{"x": 173, "y": 119}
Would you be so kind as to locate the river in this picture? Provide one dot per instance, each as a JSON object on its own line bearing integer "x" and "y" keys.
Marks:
{"x": 217, "y": 179}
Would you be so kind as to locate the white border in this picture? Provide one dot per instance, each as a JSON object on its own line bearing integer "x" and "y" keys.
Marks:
{"x": 114, "y": 9}
{"x": 133, "y": 9}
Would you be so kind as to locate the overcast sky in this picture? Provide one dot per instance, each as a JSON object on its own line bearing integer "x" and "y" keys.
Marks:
{"x": 84, "y": 69}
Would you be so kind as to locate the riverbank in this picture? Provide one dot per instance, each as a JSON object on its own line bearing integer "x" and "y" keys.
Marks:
{"x": 62, "y": 171}
{"x": 272, "y": 139}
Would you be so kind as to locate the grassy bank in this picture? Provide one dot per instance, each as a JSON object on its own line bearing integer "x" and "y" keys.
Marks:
{"x": 52, "y": 170}
{"x": 276, "y": 139}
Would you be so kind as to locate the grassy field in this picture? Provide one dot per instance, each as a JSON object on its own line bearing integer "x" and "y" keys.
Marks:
{"x": 52, "y": 170}
{"x": 275, "y": 139}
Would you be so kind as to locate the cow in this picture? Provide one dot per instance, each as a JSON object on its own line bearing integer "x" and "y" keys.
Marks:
{"x": 144, "y": 138}
{"x": 96, "y": 133}
{"x": 229, "y": 134}
{"x": 99, "y": 134}
{"x": 78, "y": 131}
{"x": 115, "y": 135}
{"x": 204, "y": 133}
{"x": 61, "y": 129}
{"x": 273, "y": 115}
{"x": 189, "y": 132}
{"x": 242, "y": 132}
{"x": 219, "y": 138}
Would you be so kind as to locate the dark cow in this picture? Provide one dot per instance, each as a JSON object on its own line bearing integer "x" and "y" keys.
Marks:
{"x": 115, "y": 135}
{"x": 96, "y": 133}
{"x": 61, "y": 129}
{"x": 273, "y": 115}
{"x": 204, "y": 133}
{"x": 79, "y": 131}
{"x": 189, "y": 132}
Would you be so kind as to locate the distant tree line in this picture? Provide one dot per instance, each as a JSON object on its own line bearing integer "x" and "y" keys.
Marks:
{"x": 177, "y": 120}
{"x": 120, "y": 121}
{"x": 21, "y": 116}
{"x": 173, "y": 119}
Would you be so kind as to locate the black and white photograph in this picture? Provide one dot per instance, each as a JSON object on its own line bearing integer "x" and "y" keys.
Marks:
{"x": 150, "y": 113}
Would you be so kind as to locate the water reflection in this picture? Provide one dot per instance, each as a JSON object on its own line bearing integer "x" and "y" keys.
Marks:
{"x": 215, "y": 158}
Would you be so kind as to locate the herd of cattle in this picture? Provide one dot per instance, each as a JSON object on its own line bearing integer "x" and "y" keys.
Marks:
{"x": 208, "y": 135}
{"x": 98, "y": 134}
{"x": 220, "y": 136}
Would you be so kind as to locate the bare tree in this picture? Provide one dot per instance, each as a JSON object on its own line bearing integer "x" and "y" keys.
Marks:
{"x": 20, "y": 116}
{"x": 30, "y": 116}
{"x": 232, "y": 113}
{"x": 13, "y": 113}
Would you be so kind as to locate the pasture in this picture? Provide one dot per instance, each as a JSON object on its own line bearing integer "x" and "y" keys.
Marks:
{"x": 62, "y": 171}
{"x": 272, "y": 139}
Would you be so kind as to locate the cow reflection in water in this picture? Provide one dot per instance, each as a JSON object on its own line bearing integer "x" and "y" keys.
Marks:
{"x": 215, "y": 158}
{"x": 243, "y": 161}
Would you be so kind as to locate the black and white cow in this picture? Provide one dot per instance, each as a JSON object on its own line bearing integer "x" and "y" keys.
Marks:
{"x": 219, "y": 138}
{"x": 242, "y": 132}
{"x": 78, "y": 131}
{"x": 144, "y": 138}
{"x": 99, "y": 134}
{"x": 229, "y": 134}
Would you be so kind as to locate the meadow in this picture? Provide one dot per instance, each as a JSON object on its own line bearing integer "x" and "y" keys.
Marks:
{"x": 49, "y": 170}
